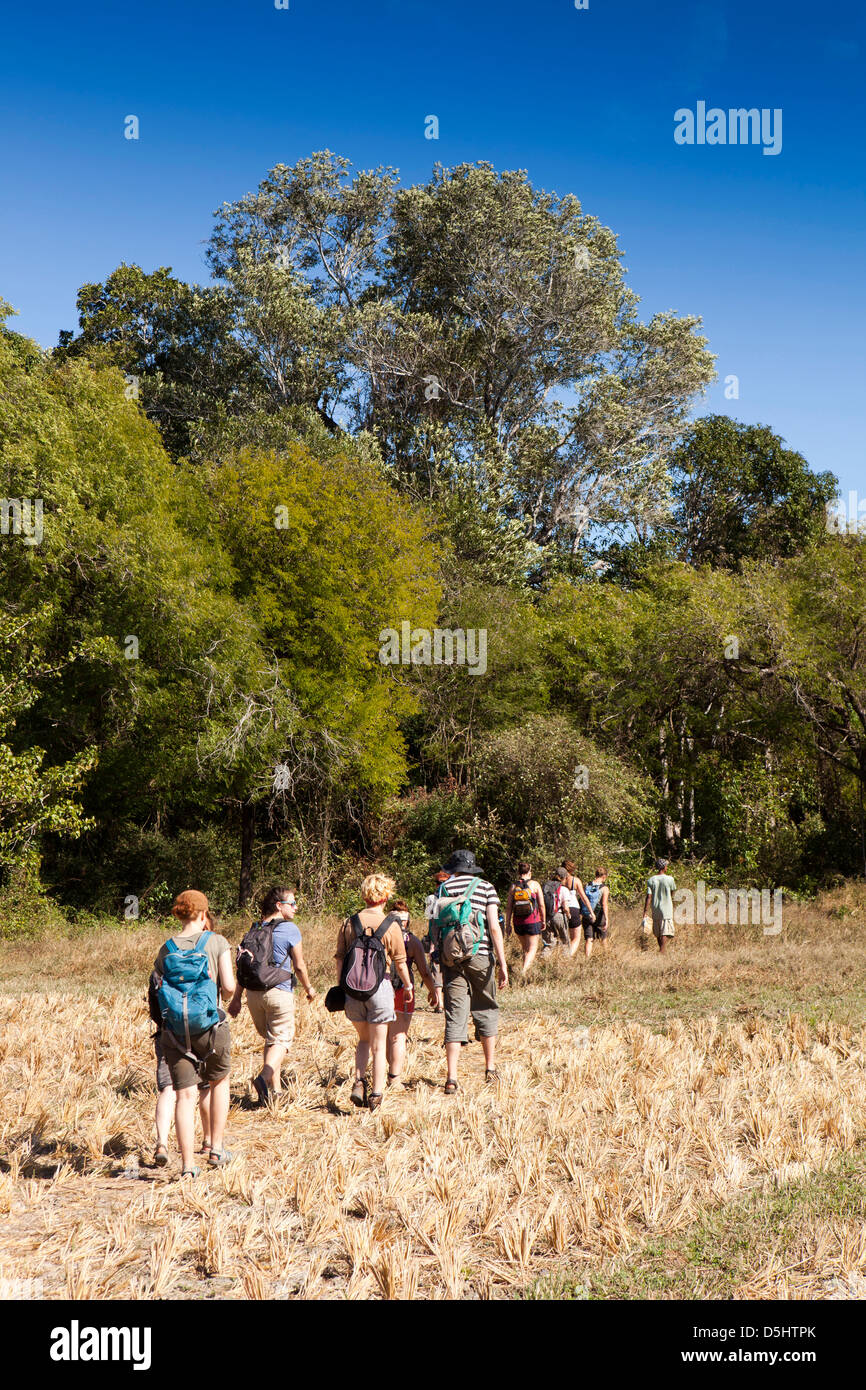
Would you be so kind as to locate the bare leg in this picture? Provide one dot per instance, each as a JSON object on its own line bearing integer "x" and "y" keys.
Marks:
{"x": 662, "y": 943}
{"x": 397, "y": 1034}
{"x": 489, "y": 1048}
{"x": 379, "y": 1051}
{"x": 184, "y": 1125}
{"x": 273, "y": 1054}
{"x": 204, "y": 1111}
{"x": 164, "y": 1114}
{"x": 530, "y": 947}
{"x": 587, "y": 947}
{"x": 362, "y": 1051}
{"x": 574, "y": 934}
{"x": 452, "y": 1058}
{"x": 219, "y": 1111}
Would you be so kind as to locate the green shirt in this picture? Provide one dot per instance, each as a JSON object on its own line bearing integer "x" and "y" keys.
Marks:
{"x": 660, "y": 887}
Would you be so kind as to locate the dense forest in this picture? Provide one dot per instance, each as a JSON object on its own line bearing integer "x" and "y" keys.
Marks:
{"x": 430, "y": 411}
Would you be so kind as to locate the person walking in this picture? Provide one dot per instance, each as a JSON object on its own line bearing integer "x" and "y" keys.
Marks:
{"x": 525, "y": 911}
{"x": 469, "y": 984}
{"x": 371, "y": 1016}
{"x": 277, "y": 942}
{"x": 659, "y": 901}
{"x": 596, "y": 924}
{"x": 573, "y": 897}
{"x": 193, "y": 967}
{"x": 398, "y": 1031}
{"x": 432, "y": 938}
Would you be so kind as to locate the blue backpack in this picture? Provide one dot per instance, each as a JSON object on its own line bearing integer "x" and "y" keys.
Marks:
{"x": 593, "y": 891}
{"x": 187, "y": 995}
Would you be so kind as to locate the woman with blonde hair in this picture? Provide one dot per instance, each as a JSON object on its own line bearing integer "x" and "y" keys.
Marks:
{"x": 368, "y": 944}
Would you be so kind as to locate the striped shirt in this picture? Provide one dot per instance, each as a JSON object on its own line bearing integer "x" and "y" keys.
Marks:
{"x": 482, "y": 897}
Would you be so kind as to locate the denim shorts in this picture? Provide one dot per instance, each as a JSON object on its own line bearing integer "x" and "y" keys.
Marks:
{"x": 379, "y": 1008}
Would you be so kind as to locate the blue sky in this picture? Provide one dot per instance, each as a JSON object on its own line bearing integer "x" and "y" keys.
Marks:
{"x": 769, "y": 250}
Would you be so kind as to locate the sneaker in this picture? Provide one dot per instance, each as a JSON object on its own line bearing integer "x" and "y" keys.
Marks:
{"x": 260, "y": 1086}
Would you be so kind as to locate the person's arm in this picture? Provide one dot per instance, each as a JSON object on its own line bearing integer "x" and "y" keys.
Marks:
{"x": 542, "y": 905}
{"x": 578, "y": 888}
{"x": 227, "y": 984}
{"x": 605, "y": 903}
{"x": 498, "y": 943}
{"x": 297, "y": 954}
{"x": 647, "y": 903}
{"x": 420, "y": 960}
{"x": 509, "y": 903}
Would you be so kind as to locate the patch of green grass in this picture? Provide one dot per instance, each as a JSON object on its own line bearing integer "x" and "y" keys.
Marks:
{"x": 718, "y": 1254}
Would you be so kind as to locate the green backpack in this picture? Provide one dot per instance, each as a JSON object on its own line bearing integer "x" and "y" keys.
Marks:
{"x": 461, "y": 929}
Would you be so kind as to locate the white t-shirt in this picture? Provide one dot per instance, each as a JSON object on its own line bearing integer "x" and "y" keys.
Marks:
{"x": 569, "y": 896}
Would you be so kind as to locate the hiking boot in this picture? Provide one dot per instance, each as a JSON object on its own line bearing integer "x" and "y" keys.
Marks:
{"x": 374, "y": 1100}
{"x": 260, "y": 1086}
{"x": 358, "y": 1094}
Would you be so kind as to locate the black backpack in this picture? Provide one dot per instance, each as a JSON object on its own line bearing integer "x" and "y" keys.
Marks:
{"x": 550, "y": 889}
{"x": 256, "y": 967}
{"x": 365, "y": 963}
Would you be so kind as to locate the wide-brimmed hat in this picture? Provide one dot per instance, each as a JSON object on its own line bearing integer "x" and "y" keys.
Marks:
{"x": 462, "y": 861}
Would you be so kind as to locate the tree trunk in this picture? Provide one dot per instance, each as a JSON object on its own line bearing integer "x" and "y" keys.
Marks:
{"x": 248, "y": 826}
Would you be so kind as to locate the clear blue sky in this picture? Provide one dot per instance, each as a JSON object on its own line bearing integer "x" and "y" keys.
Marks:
{"x": 769, "y": 250}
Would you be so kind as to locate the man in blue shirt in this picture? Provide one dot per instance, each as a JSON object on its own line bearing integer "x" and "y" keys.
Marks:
{"x": 273, "y": 1010}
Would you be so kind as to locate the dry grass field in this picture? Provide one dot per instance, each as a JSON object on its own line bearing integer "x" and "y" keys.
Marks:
{"x": 683, "y": 1127}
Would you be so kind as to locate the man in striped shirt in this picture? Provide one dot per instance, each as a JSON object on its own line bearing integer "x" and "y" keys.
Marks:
{"x": 470, "y": 987}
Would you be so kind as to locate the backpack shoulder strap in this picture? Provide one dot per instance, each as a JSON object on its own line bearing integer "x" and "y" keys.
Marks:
{"x": 357, "y": 926}
{"x": 384, "y": 925}
{"x": 471, "y": 889}
{"x": 199, "y": 945}
{"x": 171, "y": 946}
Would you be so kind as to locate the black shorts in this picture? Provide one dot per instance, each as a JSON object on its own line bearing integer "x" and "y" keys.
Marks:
{"x": 575, "y": 918}
{"x": 527, "y": 928}
{"x": 593, "y": 930}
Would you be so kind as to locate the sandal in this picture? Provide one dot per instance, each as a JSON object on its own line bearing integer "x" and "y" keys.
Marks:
{"x": 374, "y": 1100}
{"x": 358, "y": 1094}
{"x": 160, "y": 1156}
{"x": 450, "y": 1087}
{"x": 491, "y": 1075}
{"x": 189, "y": 1173}
{"x": 219, "y": 1158}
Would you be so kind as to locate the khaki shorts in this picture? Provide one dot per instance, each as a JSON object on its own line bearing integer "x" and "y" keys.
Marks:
{"x": 214, "y": 1048}
{"x": 663, "y": 926}
{"x": 273, "y": 1013}
{"x": 470, "y": 988}
{"x": 379, "y": 1008}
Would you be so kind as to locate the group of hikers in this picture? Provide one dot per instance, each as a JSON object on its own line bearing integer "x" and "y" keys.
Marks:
{"x": 461, "y": 963}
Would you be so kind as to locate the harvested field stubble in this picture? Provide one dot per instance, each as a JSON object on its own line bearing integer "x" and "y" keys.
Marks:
{"x": 591, "y": 1144}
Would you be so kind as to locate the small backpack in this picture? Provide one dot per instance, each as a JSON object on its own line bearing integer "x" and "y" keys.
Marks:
{"x": 461, "y": 928}
{"x": 522, "y": 902}
{"x": 365, "y": 964}
{"x": 256, "y": 967}
{"x": 187, "y": 996}
{"x": 593, "y": 891}
{"x": 550, "y": 890}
